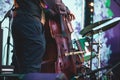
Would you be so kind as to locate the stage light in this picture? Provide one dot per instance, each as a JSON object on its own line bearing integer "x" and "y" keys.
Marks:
{"x": 91, "y": 4}
{"x": 91, "y": 10}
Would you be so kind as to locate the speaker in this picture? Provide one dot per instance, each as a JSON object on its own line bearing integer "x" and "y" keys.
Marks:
{"x": 45, "y": 76}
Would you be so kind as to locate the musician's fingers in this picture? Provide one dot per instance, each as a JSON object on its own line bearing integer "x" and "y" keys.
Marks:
{"x": 71, "y": 17}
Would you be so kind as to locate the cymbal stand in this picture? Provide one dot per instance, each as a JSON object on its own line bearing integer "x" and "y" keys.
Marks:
{"x": 91, "y": 47}
{"x": 8, "y": 38}
{"x": 98, "y": 53}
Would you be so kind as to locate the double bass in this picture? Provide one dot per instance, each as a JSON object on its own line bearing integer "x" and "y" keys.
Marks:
{"x": 58, "y": 38}
{"x": 63, "y": 63}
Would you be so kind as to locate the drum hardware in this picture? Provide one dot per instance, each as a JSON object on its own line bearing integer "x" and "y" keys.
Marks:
{"x": 87, "y": 56}
{"x": 87, "y": 74}
{"x": 85, "y": 47}
{"x": 99, "y": 29}
{"x": 74, "y": 53}
{"x": 111, "y": 68}
{"x": 110, "y": 74}
{"x": 95, "y": 28}
{"x": 97, "y": 54}
{"x": 90, "y": 53}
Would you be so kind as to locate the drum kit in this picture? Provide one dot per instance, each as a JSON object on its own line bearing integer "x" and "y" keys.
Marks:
{"x": 87, "y": 42}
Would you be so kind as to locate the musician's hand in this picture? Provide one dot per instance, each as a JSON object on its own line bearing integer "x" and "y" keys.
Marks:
{"x": 70, "y": 16}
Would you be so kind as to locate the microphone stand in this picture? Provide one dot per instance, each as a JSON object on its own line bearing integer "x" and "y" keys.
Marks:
{"x": 6, "y": 15}
{"x": 3, "y": 69}
{"x": 7, "y": 69}
{"x": 8, "y": 38}
{"x": 9, "y": 14}
{"x": 1, "y": 41}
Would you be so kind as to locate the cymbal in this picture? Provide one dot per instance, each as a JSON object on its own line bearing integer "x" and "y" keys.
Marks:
{"x": 91, "y": 26}
{"x": 101, "y": 25}
{"x": 107, "y": 25}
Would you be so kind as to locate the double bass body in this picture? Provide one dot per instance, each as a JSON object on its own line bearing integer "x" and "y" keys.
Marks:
{"x": 58, "y": 43}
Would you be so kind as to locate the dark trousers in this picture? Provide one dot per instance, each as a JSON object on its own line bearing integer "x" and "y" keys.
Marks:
{"x": 29, "y": 43}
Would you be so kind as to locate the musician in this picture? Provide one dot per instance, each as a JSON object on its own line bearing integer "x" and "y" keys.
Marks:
{"x": 28, "y": 36}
